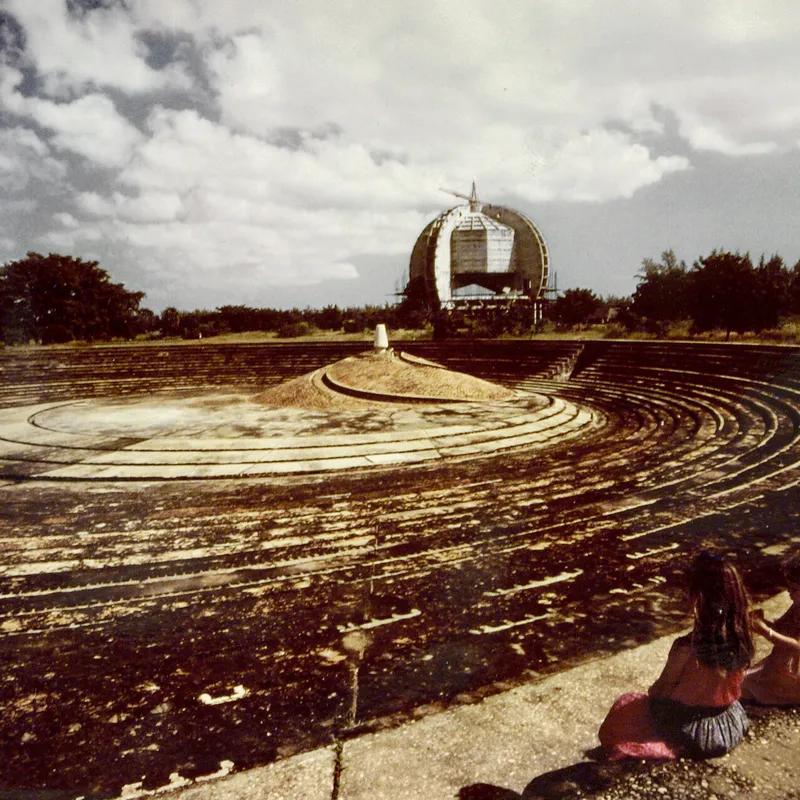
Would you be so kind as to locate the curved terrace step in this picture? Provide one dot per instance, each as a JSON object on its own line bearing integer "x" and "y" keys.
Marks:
{"x": 463, "y": 573}
{"x": 54, "y": 442}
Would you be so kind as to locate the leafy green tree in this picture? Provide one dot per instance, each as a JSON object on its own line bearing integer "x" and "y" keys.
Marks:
{"x": 575, "y": 307}
{"x": 170, "y": 322}
{"x": 57, "y": 298}
{"x": 189, "y": 327}
{"x": 240, "y": 318}
{"x": 724, "y": 287}
{"x": 520, "y": 318}
{"x": 773, "y": 292}
{"x": 620, "y": 311}
{"x": 147, "y": 321}
{"x": 330, "y": 318}
{"x": 794, "y": 289}
{"x": 444, "y": 324}
{"x": 414, "y": 310}
{"x": 663, "y": 291}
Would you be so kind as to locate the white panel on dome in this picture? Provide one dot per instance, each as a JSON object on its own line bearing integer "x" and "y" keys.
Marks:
{"x": 441, "y": 259}
{"x": 481, "y": 244}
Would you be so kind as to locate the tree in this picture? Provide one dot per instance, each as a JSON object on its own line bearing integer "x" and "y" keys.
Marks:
{"x": 575, "y": 307}
{"x": 773, "y": 292}
{"x": 662, "y": 293}
{"x": 58, "y": 298}
{"x": 330, "y": 318}
{"x": 237, "y": 318}
{"x": 724, "y": 290}
{"x": 794, "y": 289}
{"x": 147, "y": 321}
{"x": 170, "y": 321}
{"x": 415, "y": 310}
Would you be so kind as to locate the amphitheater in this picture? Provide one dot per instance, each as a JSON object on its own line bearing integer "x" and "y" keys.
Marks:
{"x": 190, "y": 579}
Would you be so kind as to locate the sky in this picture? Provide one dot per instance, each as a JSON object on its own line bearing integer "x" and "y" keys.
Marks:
{"x": 288, "y": 153}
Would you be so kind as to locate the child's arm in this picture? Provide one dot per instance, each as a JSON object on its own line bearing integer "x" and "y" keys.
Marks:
{"x": 783, "y": 641}
{"x": 760, "y": 626}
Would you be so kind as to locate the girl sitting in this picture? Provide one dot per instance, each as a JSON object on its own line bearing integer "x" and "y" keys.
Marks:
{"x": 775, "y": 681}
{"x": 693, "y": 708}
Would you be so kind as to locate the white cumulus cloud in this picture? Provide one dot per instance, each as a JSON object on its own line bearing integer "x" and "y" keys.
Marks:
{"x": 244, "y": 144}
{"x": 99, "y": 48}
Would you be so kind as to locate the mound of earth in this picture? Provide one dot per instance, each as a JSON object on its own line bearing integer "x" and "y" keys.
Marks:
{"x": 393, "y": 375}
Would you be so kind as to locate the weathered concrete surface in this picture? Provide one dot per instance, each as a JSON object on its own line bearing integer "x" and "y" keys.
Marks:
{"x": 477, "y": 571}
{"x": 308, "y": 776}
{"x": 229, "y": 435}
{"x": 508, "y": 740}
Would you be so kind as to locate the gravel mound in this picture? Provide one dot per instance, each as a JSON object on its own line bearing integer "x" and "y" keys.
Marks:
{"x": 388, "y": 373}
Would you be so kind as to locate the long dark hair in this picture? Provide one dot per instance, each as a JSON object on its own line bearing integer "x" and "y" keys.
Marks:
{"x": 721, "y": 636}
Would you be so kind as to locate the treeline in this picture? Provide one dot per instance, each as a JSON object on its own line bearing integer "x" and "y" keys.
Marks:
{"x": 515, "y": 319}
{"x": 284, "y": 323}
{"x": 57, "y": 299}
{"x": 721, "y": 291}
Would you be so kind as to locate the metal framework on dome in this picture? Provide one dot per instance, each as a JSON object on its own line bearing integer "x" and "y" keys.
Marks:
{"x": 481, "y": 254}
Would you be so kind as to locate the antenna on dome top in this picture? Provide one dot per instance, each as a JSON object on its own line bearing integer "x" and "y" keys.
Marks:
{"x": 472, "y": 197}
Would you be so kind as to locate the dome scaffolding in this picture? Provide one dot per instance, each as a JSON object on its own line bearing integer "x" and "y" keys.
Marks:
{"x": 479, "y": 252}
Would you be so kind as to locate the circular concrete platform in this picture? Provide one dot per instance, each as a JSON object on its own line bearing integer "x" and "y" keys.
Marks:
{"x": 226, "y": 435}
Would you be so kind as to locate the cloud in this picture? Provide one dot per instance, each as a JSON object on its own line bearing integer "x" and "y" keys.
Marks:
{"x": 146, "y": 208}
{"x": 726, "y": 71}
{"x": 72, "y": 52}
{"x": 739, "y": 114}
{"x": 28, "y": 174}
{"x": 239, "y": 145}
{"x": 90, "y": 127}
{"x": 264, "y": 215}
{"x": 602, "y": 164}
{"x": 248, "y": 81}
{"x": 65, "y": 219}
{"x": 24, "y": 158}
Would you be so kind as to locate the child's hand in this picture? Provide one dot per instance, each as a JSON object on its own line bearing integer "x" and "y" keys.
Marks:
{"x": 756, "y": 615}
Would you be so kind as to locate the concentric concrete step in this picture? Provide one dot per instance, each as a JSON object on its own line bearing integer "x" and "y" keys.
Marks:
{"x": 222, "y": 437}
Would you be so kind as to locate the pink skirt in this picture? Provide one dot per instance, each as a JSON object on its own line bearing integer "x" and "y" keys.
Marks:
{"x": 629, "y": 731}
{"x": 775, "y": 681}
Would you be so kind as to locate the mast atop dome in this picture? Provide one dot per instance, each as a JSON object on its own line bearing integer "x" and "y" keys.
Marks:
{"x": 474, "y": 203}
{"x": 471, "y": 198}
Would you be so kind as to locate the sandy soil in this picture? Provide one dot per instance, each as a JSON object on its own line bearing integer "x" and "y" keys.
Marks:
{"x": 386, "y": 372}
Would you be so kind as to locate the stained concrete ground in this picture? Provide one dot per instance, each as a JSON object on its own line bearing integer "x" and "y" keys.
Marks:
{"x": 535, "y": 741}
{"x": 215, "y": 435}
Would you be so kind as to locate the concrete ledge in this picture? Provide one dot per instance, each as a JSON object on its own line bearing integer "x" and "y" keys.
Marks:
{"x": 505, "y": 741}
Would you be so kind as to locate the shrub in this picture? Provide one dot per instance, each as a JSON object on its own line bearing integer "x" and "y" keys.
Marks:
{"x": 56, "y": 334}
{"x": 291, "y": 330}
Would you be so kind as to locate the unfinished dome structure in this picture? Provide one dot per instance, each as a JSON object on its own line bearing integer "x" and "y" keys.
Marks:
{"x": 479, "y": 253}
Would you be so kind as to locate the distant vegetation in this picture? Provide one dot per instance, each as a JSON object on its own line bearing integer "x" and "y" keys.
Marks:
{"x": 58, "y": 299}
{"x": 722, "y": 291}
{"x": 285, "y": 324}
